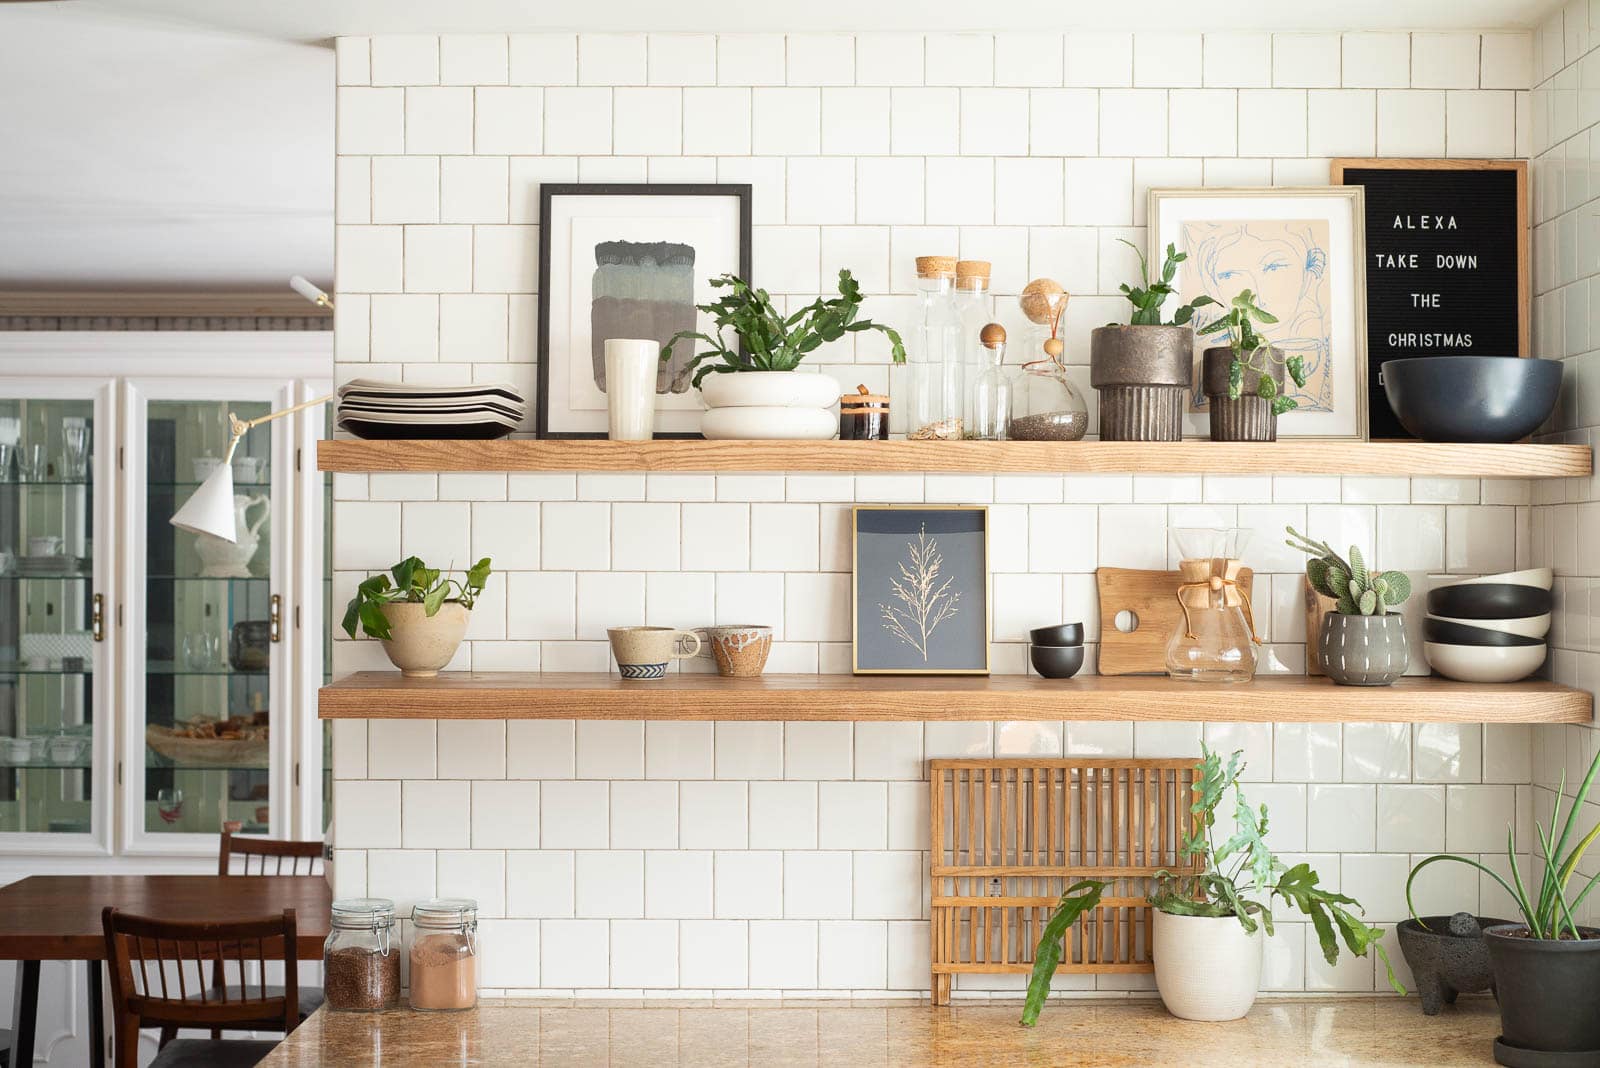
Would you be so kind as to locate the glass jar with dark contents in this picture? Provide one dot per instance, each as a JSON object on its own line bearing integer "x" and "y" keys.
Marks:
{"x": 863, "y": 416}
{"x": 361, "y": 958}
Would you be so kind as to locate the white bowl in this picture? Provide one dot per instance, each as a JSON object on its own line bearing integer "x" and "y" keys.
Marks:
{"x": 769, "y": 389}
{"x": 1542, "y": 577}
{"x": 1484, "y": 663}
{"x": 1527, "y": 626}
{"x": 761, "y": 423}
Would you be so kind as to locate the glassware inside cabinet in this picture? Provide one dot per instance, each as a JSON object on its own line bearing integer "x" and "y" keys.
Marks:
{"x": 47, "y": 615}
{"x": 209, "y": 607}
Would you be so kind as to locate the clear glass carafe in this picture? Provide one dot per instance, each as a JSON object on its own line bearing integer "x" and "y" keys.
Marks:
{"x": 1214, "y": 640}
{"x": 934, "y": 368}
{"x": 361, "y": 957}
{"x": 991, "y": 392}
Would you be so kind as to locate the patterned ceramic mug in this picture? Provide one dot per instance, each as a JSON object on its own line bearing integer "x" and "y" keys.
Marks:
{"x": 644, "y": 652}
{"x": 740, "y": 651}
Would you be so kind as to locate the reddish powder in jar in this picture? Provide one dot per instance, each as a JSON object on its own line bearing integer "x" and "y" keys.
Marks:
{"x": 444, "y": 973}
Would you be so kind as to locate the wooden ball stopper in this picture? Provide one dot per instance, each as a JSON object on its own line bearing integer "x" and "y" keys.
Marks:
{"x": 992, "y": 335}
{"x": 1040, "y": 298}
{"x": 1054, "y": 346}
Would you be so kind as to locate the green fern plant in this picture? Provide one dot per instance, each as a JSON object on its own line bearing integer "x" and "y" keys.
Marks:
{"x": 1358, "y": 590}
{"x": 1077, "y": 899}
{"x": 1148, "y": 298}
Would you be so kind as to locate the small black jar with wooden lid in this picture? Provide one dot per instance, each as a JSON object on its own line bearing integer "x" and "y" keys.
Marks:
{"x": 863, "y": 416}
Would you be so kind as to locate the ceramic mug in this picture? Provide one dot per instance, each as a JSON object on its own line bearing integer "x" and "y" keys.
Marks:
{"x": 644, "y": 652}
{"x": 44, "y": 545}
{"x": 740, "y": 650}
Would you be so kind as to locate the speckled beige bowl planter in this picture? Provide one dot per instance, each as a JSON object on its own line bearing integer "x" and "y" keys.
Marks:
{"x": 419, "y": 644}
{"x": 1207, "y": 967}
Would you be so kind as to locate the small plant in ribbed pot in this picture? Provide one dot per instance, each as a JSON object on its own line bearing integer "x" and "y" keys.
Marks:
{"x": 1546, "y": 968}
{"x": 1360, "y": 642}
{"x": 1244, "y": 380}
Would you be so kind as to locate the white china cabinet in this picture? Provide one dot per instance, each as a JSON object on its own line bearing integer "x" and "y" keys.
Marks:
{"x": 156, "y": 683}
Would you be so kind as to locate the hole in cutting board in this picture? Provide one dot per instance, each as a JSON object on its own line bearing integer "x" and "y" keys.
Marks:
{"x": 1127, "y": 622}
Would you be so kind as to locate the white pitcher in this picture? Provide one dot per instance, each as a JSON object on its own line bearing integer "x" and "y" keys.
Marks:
{"x": 225, "y": 559}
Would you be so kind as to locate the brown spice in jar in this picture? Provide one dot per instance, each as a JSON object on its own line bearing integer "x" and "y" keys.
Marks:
{"x": 359, "y": 980}
{"x": 444, "y": 973}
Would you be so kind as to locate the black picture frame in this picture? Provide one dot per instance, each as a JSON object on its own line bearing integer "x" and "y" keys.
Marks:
{"x": 547, "y": 194}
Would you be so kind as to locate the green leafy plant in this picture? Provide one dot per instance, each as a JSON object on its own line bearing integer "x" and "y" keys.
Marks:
{"x": 1251, "y": 353}
{"x": 1550, "y": 913}
{"x": 1357, "y": 589}
{"x": 1148, "y": 298}
{"x": 771, "y": 341}
{"x": 1241, "y": 877}
{"x": 1077, "y": 899}
{"x": 414, "y": 583}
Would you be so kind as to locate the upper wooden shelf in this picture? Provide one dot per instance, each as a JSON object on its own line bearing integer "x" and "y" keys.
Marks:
{"x": 966, "y": 457}
{"x": 1270, "y": 698}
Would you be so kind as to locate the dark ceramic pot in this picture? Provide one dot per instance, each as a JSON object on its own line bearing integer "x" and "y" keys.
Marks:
{"x": 1143, "y": 375}
{"x": 1471, "y": 398}
{"x": 1447, "y": 957}
{"x": 1246, "y": 417}
{"x": 1548, "y": 990}
{"x": 1056, "y": 661}
{"x": 1060, "y": 634}
{"x": 1363, "y": 650}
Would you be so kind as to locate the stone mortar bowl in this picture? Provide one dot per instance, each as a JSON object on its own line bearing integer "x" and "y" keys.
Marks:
{"x": 1448, "y": 957}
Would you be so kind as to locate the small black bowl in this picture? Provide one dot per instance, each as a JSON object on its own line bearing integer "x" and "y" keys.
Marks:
{"x": 1060, "y": 634}
{"x": 1056, "y": 661}
{"x": 1488, "y": 600}
{"x": 1472, "y": 398}
{"x": 1449, "y": 633}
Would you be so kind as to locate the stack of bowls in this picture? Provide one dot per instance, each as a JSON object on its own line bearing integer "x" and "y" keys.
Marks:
{"x": 1489, "y": 629}
{"x": 1057, "y": 652}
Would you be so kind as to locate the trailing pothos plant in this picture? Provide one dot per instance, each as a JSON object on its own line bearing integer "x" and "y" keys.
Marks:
{"x": 1148, "y": 298}
{"x": 1251, "y": 353}
{"x": 1355, "y": 588}
{"x": 1550, "y": 913}
{"x": 1240, "y": 877}
{"x": 771, "y": 341}
{"x": 414, "y": 583}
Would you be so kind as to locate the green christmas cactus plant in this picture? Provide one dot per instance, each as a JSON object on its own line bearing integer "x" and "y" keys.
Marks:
{"x": 1148, "y": 298}
{"x": 771, "y": 341}
{"x": 1251, "y": 353}
{"x": 1356, "y": 588}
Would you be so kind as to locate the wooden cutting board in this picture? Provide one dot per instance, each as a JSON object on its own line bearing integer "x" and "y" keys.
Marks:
{"x": 1152, "y": 596}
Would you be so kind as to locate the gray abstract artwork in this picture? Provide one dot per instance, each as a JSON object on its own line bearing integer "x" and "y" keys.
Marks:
{"x": 920, "y": 590}
{"x": 643, "y": 289}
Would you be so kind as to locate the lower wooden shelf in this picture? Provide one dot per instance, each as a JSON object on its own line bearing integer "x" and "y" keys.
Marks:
{"x": 1279, "y": 698}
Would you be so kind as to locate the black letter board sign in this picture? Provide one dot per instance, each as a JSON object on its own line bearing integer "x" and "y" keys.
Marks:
{"x": 1447, "y": 263}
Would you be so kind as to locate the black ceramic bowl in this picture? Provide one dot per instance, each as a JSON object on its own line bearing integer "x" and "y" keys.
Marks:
{"x": 1472, "y": 398}
{"x": 1450, "y": 633}
{"x": 1056, "y": 661}
{"x": 1060, "y": 634}
{"x": 1488, "y": 600}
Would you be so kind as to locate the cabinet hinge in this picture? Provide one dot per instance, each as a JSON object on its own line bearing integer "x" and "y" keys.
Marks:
{"x": 119, "y": 615}
{"x": 119, "y": 773}
{"x": 297, "y": 773}
{"x": 296, "y": 617}
{"x": 119, "y": 457}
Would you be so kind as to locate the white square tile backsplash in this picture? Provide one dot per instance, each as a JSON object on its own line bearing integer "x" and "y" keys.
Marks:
{"x": 767, "y": 857}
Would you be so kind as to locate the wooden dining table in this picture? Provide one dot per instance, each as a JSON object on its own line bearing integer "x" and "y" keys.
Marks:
{"x": 57, "y": 917}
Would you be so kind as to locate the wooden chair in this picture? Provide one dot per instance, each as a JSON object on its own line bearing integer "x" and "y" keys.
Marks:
{"x": 158, "y": 970}
{"x": 267, "y": 853}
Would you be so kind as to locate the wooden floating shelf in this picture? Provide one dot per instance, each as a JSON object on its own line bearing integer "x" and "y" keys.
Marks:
{"x": 967, "y": 457}
{"x": 1274, "y": 698}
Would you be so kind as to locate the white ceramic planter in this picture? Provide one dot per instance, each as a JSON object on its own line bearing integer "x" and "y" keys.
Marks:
{"x": 419, "y": 645}
{"x": 1206, "y": 968}
{"x": 761, "y": 405}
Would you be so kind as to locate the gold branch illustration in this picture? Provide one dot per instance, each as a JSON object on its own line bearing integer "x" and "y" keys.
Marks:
{"x": 925, "y": 600}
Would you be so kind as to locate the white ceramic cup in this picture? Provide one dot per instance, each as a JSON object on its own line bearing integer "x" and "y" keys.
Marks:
{"x": 44, "y": 545}
{"x": 631, "y": 365}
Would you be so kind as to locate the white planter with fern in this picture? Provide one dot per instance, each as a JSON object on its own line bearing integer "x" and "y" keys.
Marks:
{"x": 1207, "y": 967}
{"x": 769, "y": 404}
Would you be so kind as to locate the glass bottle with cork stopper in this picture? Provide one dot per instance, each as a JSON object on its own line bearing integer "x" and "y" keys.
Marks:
{"x": 863, "y": 416}
{"x": 991, "y": 393}
{"x": 1045, "y": 406}
{"x": 973, "y": 304}
{"x": 933, "y": 370}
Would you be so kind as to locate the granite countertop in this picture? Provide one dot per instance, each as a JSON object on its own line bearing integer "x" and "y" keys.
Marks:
{"x": 890, "y": 1034}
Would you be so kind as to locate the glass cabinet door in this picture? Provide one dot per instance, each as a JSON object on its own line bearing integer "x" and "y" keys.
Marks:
{"x": 55, "y": 730}
{"x": 212, "y": 618}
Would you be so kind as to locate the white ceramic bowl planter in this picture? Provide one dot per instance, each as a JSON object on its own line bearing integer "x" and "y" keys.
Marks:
{"x": 1207, "y": 968}
{"x": 755, "y": 405}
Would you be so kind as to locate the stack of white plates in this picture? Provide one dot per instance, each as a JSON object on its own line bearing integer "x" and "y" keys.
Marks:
{"x": 373, "y": 409}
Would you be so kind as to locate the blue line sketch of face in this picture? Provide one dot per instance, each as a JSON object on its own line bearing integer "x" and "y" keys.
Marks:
{"x": 1286, "y": 266}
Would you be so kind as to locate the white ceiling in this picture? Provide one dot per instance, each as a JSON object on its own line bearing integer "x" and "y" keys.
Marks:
{"x": 146, "y": 155}
{"x": 316, "y": 19}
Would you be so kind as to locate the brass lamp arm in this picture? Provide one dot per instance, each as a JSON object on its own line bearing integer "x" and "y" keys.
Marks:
{"x": 239, "y": 427}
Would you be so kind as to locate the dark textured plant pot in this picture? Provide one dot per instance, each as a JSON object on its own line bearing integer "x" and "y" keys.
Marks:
{"x": 1447, "y": 957}
{"x": 1548, "y": 992}
{"x": 1143, "y": 375}
{"x": 1363, "y": 650}
{"x": 1243, "y": 418}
